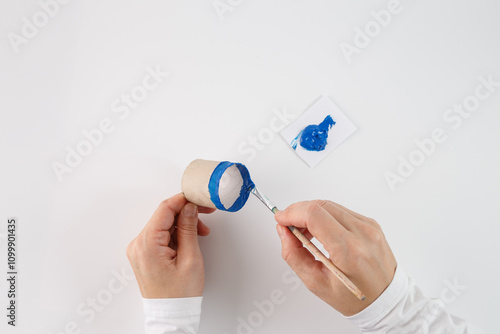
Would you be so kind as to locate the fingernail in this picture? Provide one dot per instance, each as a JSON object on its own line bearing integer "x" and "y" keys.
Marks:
{"x": 190, "y": 210}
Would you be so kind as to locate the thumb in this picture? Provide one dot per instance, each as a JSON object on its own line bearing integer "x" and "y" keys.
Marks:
{"x": 187, "y": 231}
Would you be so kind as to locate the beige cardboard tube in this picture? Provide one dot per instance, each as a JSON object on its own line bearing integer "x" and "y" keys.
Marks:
{"x": 195, "y": 181}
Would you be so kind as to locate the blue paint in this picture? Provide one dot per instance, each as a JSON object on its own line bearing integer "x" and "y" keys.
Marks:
{"x": 314, "y": 137}
{"x": 246, "y": 188}
{"x": 296, "y": 140}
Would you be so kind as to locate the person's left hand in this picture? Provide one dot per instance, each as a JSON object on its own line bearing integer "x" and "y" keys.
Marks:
{"x": 165, "y": 256}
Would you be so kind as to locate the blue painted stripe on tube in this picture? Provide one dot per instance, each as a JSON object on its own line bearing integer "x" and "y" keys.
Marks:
{"x": 246, "y": 188}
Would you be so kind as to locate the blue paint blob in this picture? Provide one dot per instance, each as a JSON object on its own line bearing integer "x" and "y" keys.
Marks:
{"x": 246, "y": 188}
{"x": 314, "y": 137}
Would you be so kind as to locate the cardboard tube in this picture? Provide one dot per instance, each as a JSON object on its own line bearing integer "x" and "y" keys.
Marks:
{"x": 195, "y": 181}
{"x": 221, "y": 185}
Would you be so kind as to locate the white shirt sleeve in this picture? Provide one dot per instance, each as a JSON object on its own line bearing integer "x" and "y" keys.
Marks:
{"x": 402, "y": 308}
{"x": 172, "y": 315}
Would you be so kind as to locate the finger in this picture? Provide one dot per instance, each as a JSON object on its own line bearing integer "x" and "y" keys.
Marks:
{"x": 287, "y": 239}
{"x": 307, "y": 234}
{"x": 202, "y": 209}
{"x": 187, "y": 232}
{"x": 344, "y": 217}
{"x": 173, "y": 241}
{"x": 352, "y": 213}
{"x": 203, "y": 230}
{"x": 365, "y": 219}
{"x": 318, "y": 221}
{"x": 168, "y": 253}
{"x": 164, "y": 216}
{"x": 298, "y": 258}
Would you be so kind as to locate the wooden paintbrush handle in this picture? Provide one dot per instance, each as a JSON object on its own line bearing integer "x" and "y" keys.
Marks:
{"x": 329, "y": 264}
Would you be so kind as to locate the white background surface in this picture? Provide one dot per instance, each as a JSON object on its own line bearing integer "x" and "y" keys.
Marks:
{"x": 226, "y": 79}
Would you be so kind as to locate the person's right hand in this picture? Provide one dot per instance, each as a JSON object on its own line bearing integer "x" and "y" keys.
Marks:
{"x": 355, "y": 244}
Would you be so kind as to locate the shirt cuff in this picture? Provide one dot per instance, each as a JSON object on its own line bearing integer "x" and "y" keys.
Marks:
{"x": 172, "y": 307}
{"x": 376, "y": 311}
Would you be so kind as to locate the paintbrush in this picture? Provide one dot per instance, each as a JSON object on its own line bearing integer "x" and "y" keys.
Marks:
{"x": 313, "y": 249}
